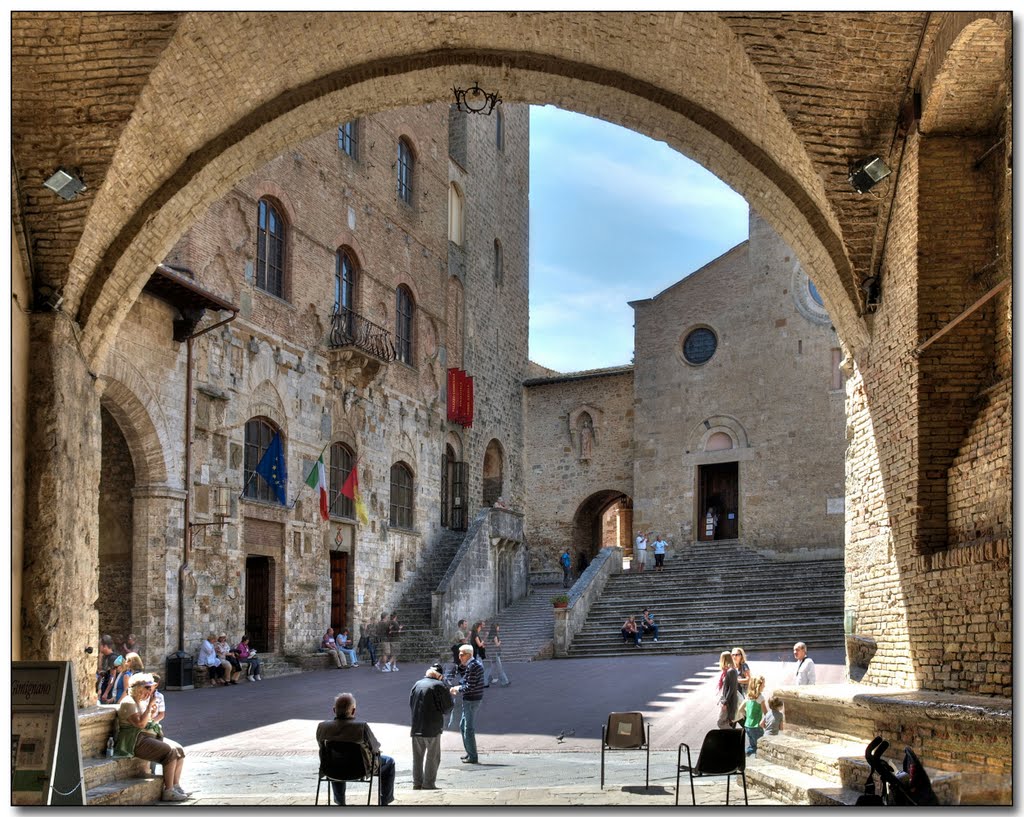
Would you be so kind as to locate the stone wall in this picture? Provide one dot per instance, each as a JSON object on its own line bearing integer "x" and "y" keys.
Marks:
{"x": 933, "y": 593}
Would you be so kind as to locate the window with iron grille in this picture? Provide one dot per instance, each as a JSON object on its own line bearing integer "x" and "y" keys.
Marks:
{"x": 340, "y": 468}
{"x": 403, "y": 324}
{"x": 270, "y": 249}
{"x": 348, "y": 138}
{"x": 401, "y": 496}
{"x": 405, "y": 168}
{"x": 259, "y": 431}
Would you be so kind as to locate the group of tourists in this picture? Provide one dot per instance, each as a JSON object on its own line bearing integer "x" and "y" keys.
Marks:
{"x": 741, "y": 698}
{"x": 643, "y": 544}
{"x": 224, "y": 662}
{"x": 481, "y": 638}
{"x": 636, "y": 627}
{"x": 431, "y": 698}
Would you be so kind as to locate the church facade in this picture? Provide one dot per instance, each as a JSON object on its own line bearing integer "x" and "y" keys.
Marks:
{"x": 728, "y": 425}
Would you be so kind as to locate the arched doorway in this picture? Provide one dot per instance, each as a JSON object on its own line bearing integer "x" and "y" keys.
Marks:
{"x": 604, "y": 519}
{"x": 493, "y": 476}
{"x": 454, "y": 481}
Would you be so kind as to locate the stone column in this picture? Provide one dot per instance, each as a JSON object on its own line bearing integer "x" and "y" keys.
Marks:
{"x": 157, "y": 546}
{"x": 62, "y": 469}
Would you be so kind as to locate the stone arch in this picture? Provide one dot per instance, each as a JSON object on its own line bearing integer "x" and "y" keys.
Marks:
{"x": 130, "y": 401}
{"x": 742, "y": 136}
{"x": 603, "y": 519}
{"x": 265, "y": 401}
{"x": 718, "y": 424}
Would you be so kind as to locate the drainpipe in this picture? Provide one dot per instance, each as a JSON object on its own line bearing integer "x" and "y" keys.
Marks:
{"x": 187, "y": 554}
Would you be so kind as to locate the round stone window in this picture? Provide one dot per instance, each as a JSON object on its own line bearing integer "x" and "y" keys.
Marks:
{"x": 699, "y": 346}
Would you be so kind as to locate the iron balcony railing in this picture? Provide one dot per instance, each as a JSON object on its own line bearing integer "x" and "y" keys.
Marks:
{"x": 350, "y": 329}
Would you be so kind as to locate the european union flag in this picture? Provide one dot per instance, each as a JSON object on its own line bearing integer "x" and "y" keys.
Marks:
{"x": 271, "y": 467}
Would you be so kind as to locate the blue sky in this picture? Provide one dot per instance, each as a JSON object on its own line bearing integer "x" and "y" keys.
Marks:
{"x": 614, "y": 217}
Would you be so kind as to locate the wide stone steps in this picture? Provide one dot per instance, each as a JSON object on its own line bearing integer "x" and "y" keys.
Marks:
{"x": 712, "y": 595}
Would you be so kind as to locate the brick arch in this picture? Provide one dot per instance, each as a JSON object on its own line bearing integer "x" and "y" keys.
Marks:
{"x": 960, "y": 94}
{"x": 130, "y": 401}
{"x": 733, "y": 125}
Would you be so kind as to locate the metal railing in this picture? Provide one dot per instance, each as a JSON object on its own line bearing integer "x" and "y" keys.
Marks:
{"x": 350, "y": 329}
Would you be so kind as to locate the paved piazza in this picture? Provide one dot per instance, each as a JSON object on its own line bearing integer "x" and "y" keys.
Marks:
{"x": 253, "y": 744}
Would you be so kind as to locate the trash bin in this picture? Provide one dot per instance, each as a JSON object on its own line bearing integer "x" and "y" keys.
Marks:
{"x": 179, "y": 671}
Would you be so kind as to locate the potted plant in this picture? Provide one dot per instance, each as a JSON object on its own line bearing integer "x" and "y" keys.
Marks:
{"x": 561, "y": 600}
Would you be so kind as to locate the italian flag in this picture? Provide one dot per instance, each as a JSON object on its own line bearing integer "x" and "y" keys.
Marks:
{"x": 318, "y": 479}
{"x": 351, "y": 490}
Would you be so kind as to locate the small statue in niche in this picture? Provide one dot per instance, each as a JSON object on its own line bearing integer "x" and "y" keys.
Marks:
{"x": 586, "y": 434}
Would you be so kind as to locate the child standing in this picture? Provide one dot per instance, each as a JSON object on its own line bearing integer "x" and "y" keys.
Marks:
{"x": 754, "y": 712}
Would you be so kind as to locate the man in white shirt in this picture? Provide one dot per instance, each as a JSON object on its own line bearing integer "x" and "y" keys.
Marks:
{"x": 641, "y": 551}
{"x": 804, "y": 666}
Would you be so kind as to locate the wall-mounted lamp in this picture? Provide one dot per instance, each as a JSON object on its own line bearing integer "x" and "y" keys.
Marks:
{"x": 868, "y": 172}
{"x": 64, "y": 184}
{"x": 475, "y": 100}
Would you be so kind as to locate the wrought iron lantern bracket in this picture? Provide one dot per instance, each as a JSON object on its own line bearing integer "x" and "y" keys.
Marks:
{"x": 475, "y": 100}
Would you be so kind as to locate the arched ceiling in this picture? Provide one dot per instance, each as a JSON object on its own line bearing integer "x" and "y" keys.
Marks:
{"x": 163, "y": 113}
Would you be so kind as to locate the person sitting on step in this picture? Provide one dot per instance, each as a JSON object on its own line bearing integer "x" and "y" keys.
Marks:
{"x": 648, "y": 624}
{"x": 631, "y": 631}
{"x": 329, "y": 645}
{"x": 344, "y": 642}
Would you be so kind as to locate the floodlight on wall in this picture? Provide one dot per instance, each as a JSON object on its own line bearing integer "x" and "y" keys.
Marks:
{"x": 475, "y": 99}
{"x": 64, "y": 184}
{"x": 868, "y": 172}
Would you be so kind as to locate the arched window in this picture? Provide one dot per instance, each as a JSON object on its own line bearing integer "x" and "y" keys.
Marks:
{"x": 401, "y": 496}
{"x": 499, "y": 263}
{"x": 403, "y": 324}
{"x": 259, "y": 434}
{"x": 344, "y": 282}
{"x": 499, "y": 130}
{"x": 405, "y": 170}
{"x": 270, "y": 238}
{"x": 340, "y": 468}
{"x": 455, "y": 214}
{"x": 493, "y": 473}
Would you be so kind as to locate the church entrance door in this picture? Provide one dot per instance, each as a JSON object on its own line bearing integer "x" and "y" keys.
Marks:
{"x": 719, "y": 489}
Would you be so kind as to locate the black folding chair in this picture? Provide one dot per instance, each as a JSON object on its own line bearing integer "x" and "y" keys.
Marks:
{"x": 722, "y": 753}
{"x": 342, "y": 761}
{"x": 626, "y": 730}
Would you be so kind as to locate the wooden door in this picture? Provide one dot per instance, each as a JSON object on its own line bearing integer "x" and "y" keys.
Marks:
{"x": 460, "y": 495}
{"x": 257, "y": 602}
{"x": 339, "y": 590}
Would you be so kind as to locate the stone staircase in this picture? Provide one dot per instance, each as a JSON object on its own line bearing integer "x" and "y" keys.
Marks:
{"x": 527, "y": 626}
{"x": 796, "y": 769}
{"x": 419, "y": 641}
{"x": 712, "y": 595}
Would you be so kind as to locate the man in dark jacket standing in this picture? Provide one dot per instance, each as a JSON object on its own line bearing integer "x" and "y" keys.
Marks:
{"x": 472, "y": 688}
{"x": 429, "y": 700}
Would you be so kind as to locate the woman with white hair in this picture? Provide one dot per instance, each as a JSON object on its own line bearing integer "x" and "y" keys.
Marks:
{"x": 139, "y": 736}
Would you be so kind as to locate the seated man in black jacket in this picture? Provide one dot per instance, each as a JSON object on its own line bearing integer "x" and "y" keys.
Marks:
{"x": 344, "y": 726}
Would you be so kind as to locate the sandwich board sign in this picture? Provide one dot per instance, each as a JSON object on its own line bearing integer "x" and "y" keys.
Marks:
{"x": 46, "y": 754}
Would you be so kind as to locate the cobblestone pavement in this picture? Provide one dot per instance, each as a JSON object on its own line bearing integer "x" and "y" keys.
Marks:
{"x": 253, "y": 744}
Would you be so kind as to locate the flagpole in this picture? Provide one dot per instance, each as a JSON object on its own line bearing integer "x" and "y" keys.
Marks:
{"x": 296, "y": 498}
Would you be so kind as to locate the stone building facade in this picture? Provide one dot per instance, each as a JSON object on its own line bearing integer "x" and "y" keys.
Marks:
{"x": 735, "y": 401}
{"x": 285, "y": 363}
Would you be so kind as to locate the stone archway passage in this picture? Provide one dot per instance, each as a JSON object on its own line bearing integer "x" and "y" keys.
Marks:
{"x": 604, "y": 519}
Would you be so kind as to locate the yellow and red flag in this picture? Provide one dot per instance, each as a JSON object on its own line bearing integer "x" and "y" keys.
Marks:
{"x": 351, "y": 490}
